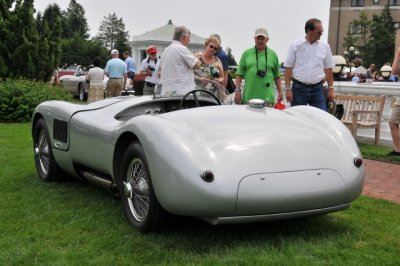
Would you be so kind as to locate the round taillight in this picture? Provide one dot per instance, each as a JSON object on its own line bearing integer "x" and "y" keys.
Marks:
{"x": 208, "y": 176}
{"x": 358, "y": 161}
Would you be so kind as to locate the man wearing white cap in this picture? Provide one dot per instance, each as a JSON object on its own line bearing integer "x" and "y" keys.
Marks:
{"x": 259, "y": 66}
{"x": 150, "y": 67}
{"x": 117, "y": 73}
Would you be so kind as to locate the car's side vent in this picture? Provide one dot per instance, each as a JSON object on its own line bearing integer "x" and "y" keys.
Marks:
{"x": 60, "y": 130}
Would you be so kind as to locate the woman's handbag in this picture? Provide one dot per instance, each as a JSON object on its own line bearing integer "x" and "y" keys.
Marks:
{"x": 230, "y": 85}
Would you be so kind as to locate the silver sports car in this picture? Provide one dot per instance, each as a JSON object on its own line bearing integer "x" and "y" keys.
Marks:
{"x": 191, "y": 156}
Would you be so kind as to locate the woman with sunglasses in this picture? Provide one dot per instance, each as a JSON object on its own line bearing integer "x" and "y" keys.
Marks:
{"x": 211, "y": 68}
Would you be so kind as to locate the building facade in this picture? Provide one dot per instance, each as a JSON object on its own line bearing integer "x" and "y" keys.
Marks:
{"x": 343, "y": 12}
{"x": 161, "y": 38}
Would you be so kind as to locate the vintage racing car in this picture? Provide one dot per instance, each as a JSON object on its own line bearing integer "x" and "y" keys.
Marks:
{"x": 191, "y": 156}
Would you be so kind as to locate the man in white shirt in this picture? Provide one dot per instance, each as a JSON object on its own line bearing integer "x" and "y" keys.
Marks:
{"x": 309, "y": 63}
{"x": 177, "y": 64}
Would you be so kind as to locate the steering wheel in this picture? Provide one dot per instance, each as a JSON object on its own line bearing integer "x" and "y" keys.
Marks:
{"x": 196, "y": 99}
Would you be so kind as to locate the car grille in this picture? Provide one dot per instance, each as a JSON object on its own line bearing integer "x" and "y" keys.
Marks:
{"x": 60, "y": 130}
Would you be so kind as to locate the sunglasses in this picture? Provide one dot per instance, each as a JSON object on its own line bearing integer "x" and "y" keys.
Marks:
{"x": 213, "y": 47}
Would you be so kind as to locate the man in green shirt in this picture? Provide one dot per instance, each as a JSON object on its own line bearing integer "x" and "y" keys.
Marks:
{"x": 259, "y": 66}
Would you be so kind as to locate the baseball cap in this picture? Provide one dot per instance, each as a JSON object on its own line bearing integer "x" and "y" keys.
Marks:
{"x": 261, "y": 32}
{"x": 151, "y": 50}
{"x": 114, "y": 51}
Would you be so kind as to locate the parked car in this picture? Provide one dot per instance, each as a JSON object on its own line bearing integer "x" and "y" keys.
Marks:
{"x": 75, "y": 83}
{"x": 191, "y": 156}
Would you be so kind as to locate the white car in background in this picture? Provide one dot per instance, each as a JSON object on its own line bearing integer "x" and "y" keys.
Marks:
{"x": 76, "y": 84}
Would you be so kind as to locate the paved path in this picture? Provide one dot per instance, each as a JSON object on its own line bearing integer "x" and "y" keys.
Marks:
{"x": 382, "y": 180}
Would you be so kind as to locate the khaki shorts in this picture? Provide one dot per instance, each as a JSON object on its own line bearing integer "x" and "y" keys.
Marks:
{"x": 114, "y": 87}
{"x": 395, "y": 115}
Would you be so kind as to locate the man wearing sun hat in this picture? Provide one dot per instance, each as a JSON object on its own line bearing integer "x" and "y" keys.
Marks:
{"x": 259, "y": 66}
{"x": 117, "y": 74}
{"x": 150, "y": 67}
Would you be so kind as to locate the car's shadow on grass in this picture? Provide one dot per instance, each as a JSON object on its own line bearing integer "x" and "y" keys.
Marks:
{"x": 194, "y": 235}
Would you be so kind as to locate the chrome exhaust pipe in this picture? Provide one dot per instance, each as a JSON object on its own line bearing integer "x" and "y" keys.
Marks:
{"x": 98, "y": 181}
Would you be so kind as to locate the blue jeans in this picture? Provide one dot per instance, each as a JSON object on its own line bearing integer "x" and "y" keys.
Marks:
{"x": 312, "y": 96}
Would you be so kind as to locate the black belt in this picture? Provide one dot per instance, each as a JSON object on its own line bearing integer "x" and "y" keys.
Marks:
{"x": 149, "y": 84}
{"x": 308, "y": 85}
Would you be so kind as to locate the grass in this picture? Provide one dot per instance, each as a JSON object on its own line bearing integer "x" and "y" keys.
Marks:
{"x": 378, "y": 153}
{"x": 74, "y": 223}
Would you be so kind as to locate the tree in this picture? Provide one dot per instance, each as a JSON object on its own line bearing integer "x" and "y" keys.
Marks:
{"x": 111, "y": 30}
{"x": 51, "y": 14}
{"x": 122, "y": 45}
{"x": 24, "y": 44}
{"x": 49, "y": 26}
{"x": 74, "y": 21}
{"x": 363, "y": 25}
{"x": 358, "y": 33}
{"x": 82, "y": 52}
{"x": 349, "y": 40}
{"x": 381, "y": 44}
{"x": 6, "y": 36}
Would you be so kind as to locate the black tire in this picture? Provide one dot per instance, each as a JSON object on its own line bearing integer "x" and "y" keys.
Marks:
{"x": 81, "y": 93}
{"x": 139, "y": 201}
{"x": 46, "y": 166}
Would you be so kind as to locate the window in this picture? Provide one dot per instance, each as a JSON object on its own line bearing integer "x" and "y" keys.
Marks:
{"x": 376, "y": 2}
{"x": 396, "y": 25}
{"x": 394, "y": 2}
{"x": 357, "y": 2}
{"x": 356, "y": 30}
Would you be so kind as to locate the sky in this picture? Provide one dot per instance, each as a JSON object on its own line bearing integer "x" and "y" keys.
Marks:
{"x": 234, "y": 21}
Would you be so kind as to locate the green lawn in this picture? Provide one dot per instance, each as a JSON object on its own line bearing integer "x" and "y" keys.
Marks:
{"x": 74, "y": 223}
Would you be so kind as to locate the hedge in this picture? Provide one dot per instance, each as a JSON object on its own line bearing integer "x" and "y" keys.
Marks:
{"x": 18, "y": 98}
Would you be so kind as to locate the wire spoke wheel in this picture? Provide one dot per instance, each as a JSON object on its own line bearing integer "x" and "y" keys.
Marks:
{"x": 139, "y": 202}
{"x": 138, "y": 179}
{"x": 42, "y": 152}
{"x": 46, "y": 165}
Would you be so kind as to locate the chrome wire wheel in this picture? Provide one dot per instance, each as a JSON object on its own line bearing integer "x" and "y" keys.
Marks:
{"x": 42, "y": 152}
{"x": 139, "y": 202}
{"x": 46, "y": 165}
{"x": 81, "y": 92}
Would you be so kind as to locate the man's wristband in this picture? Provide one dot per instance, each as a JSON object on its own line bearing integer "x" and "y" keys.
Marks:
{"x": 238, "y": 90}
{"x": 331, "y": 87}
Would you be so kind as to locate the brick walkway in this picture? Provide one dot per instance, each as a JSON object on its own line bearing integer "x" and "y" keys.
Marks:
{"x": 382, "y": 180}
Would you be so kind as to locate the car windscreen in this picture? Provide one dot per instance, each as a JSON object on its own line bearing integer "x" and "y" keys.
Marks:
{"x": 181, "y": 86}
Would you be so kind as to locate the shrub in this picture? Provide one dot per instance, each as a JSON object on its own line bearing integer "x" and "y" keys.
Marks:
{"x": 18, "y": 98}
